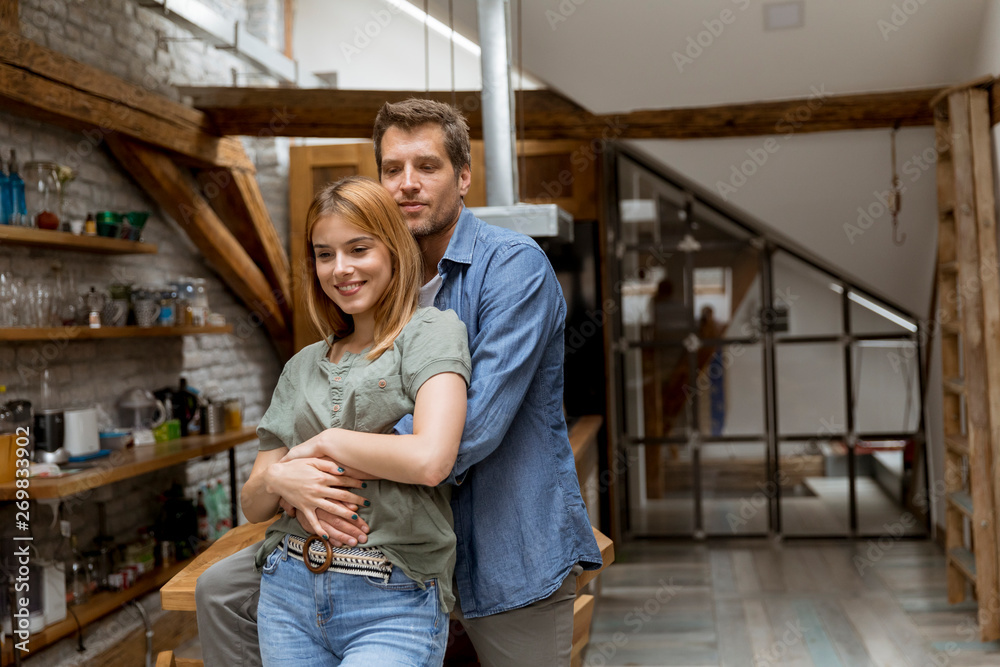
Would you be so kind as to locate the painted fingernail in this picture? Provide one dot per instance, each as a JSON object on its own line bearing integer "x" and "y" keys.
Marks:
{"x": 340, "y": 470}
{"x": 364, "y": 485}
{"x": 367, "y": 503}
{"x": 326, "y": 537}
{"x": 354, "y": 516}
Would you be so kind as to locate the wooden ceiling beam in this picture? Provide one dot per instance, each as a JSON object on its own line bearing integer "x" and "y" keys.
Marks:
{"x": 236, "y": 198}
{"x": 175, "y": 190}
{"x": 45, "y": 85}
{"x": 548, "y": 115}
{"x": 9, "y": 21}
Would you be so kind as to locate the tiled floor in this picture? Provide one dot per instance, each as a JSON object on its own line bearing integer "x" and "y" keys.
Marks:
{"x": 760, "y": 602}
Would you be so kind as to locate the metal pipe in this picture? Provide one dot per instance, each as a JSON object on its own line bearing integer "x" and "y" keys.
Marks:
{"x": 149, "y": 631}
{"x": 499, "y": 132}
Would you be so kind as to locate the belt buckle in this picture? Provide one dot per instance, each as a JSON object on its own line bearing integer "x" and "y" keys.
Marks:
{"x": 305, "y": 554}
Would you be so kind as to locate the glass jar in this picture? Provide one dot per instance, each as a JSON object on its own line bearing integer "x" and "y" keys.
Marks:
{"x": 199, "y": 302}
{"x": 42, "y": 196}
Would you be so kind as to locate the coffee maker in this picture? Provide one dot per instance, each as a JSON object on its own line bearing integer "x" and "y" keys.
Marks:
{"x": 49, "y": 434}
{"x": 49, "y": 429}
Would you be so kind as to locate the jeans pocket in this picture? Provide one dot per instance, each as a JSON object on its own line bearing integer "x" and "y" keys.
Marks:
{"x": 271, "y": 562}
{"x": 405, "y": 584}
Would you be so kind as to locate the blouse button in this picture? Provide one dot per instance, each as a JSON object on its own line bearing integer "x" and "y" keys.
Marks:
{"x": 337, "y": 379}
{"x": 381, "y": 384}
{"x": 336, "y": 408}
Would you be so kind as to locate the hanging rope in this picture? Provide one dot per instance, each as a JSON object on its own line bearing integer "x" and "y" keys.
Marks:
{"x": 896, "y": 194}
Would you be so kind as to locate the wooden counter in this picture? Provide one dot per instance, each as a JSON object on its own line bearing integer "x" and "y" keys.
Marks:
{"x": 131, "y": 462}
{"x": 583, "y": 439}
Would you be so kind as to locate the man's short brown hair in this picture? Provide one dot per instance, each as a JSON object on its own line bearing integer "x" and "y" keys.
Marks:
{"x": 414, "y": 112}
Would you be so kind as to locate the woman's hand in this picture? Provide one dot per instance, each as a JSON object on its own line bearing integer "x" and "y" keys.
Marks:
{"x": 306, "y": 484}
{"x": 323, "y": 446}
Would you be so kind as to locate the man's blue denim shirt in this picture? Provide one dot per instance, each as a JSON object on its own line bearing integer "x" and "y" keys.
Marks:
{"x": 519, "y": 517}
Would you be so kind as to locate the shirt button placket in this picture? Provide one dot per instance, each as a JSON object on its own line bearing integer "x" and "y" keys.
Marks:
{"x": 336, "y": 389}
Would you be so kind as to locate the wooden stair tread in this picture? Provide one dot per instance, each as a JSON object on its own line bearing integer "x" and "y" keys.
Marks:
{"x": 965, "y": 561}
{"x": 953, "y": 328}
{"x": 962, "y": 502}
{"x": 954, "y": 386}
{"x": 957, "y": 444}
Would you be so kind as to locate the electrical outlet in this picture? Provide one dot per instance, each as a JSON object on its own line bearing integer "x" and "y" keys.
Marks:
{"x": 65, "y": 528}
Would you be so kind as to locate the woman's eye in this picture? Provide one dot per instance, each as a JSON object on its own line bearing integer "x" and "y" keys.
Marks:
{"x": 359, "y": 249}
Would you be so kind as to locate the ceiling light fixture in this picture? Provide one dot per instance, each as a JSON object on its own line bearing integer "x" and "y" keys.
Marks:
{"x": 782, "y": 15}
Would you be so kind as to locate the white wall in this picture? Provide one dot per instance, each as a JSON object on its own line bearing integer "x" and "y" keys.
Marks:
{"x": 373, "y": 45}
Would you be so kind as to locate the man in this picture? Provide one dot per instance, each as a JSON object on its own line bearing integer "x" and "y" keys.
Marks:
{"x": 521, "y": 526}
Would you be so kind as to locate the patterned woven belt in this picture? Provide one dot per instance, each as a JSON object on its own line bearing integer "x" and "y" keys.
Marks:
{"x": 366, "y": 561}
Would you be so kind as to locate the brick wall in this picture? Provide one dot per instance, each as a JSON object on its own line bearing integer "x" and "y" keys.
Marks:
{"x": 120, "y": 37}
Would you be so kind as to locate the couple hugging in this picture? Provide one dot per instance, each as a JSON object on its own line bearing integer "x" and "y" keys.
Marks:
{"x": 419, "y": 451}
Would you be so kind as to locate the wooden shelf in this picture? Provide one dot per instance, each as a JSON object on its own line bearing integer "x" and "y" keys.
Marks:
{"x": 86, "y": 333}
{"x": 44, "y": 238}
{"x": 98, "y": 606}
{"x": 131, "y": 462}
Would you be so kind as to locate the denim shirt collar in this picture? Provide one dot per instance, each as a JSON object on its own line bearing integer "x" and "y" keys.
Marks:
{"x": 463, "y": 239}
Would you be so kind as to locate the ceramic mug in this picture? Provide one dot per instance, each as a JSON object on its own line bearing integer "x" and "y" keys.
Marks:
{"x": 146, "y": 312}
{"x": 115, "y": 313}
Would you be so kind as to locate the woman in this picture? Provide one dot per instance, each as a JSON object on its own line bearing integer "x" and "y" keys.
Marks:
{"x": 382, "y": 358}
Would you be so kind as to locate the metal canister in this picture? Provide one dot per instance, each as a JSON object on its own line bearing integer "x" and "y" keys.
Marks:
{"x": 213, "y": 418}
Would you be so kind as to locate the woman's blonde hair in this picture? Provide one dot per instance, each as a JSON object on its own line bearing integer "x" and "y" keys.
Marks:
{"x": 365, "y": 204}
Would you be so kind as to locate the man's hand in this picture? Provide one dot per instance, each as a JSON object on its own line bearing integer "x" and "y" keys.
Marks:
{"x": 339, "y": 531}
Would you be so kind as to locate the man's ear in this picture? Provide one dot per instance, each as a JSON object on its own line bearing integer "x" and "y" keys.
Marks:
{"x": 464, "y": 180}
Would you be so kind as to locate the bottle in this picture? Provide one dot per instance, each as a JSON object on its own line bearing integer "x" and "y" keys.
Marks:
{"x": 6, "y": 200}
{"x": 223, "y": 521}
{"x": 90, "y": 226}
{"x": 19, "y": 210}
{"x": 78, "y": 576}
{"x": 204, "y": 527}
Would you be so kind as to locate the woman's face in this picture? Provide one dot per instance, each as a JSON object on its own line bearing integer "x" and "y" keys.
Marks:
{"x": 353, "y": 267}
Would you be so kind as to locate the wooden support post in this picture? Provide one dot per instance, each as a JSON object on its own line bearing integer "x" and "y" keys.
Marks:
{"x": 975, "y": 340}
{"x": 235, "y": 196}
{"x": 176, "y": 192}
{"x": 989, "y": 267}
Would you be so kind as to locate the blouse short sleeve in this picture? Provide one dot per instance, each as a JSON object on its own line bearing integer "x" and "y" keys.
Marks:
{"x": 435, "y": 342}
{"x": 277, "y": 427}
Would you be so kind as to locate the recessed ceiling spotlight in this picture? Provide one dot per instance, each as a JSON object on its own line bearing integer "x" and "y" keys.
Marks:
{"x": 781, "y": 15}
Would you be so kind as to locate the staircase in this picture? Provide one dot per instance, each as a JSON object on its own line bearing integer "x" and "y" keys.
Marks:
{"x": 969, "y": 317}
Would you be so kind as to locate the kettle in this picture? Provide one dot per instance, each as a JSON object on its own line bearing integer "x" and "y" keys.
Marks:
{"x": 139, "y": 410}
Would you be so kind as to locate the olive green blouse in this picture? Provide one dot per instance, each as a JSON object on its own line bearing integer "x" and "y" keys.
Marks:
{"x": 411, "y": 524}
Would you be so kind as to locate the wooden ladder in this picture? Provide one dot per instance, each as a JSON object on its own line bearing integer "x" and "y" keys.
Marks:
{"x": 969, "y": 317}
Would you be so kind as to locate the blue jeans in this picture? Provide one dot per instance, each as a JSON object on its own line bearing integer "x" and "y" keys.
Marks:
{"x": 346, "y": 619}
